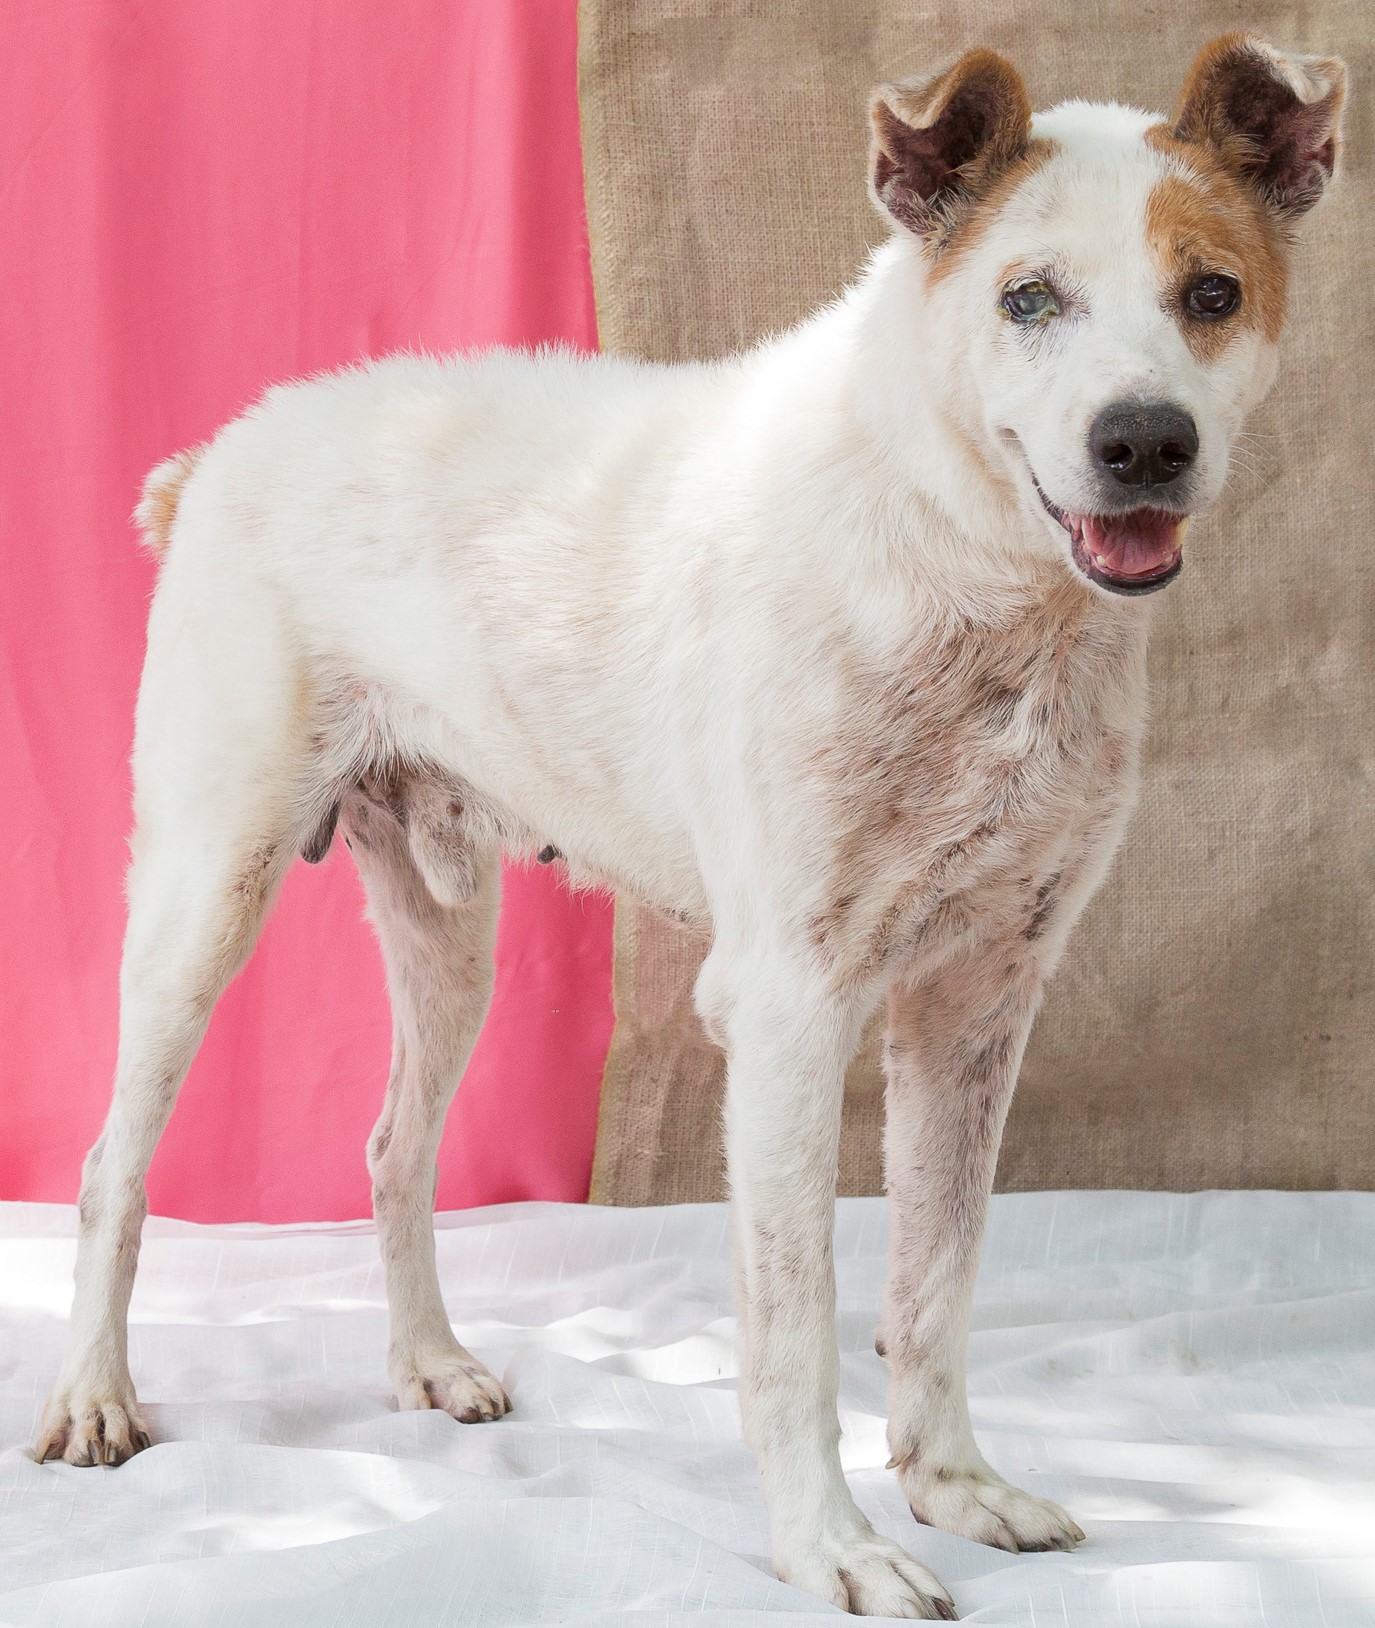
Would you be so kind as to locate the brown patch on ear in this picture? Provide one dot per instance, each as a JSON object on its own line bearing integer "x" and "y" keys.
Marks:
{"x": 1273, "y": 116}
{"x": 965, "y": 225}
{"x": 1209, "y": 220}
{"x": 938, "y": 143}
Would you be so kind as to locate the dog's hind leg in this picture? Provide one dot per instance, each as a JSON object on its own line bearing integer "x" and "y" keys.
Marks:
{"x": 439, "y": 974}
{"x": 954, "y": 1046}
{"x": 217, "y": 766}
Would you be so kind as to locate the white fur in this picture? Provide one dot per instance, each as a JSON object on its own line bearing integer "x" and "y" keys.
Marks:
{"x": 662, "y": 618}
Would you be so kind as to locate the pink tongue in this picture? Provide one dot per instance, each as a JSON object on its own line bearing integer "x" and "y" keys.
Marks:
{"x": 1132, "y": 545}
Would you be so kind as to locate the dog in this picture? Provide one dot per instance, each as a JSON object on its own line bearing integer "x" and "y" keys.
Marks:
{"x": 837, "y": 646}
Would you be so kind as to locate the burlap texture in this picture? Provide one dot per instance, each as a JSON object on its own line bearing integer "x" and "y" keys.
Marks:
{"x": 1212, "y": 1022}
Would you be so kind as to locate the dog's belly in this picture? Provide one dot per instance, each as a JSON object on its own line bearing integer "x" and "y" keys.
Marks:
{"x": 489, "y": 769}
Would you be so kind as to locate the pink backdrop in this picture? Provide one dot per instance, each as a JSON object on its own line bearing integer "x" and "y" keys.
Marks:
{"x": 200, "y": 198}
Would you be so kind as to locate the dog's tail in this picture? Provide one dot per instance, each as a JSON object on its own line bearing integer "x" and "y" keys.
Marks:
{"x": 157, "y": 508}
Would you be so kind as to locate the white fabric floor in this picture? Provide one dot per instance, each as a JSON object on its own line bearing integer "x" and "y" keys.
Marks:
{"x": 1194, "y": 1377}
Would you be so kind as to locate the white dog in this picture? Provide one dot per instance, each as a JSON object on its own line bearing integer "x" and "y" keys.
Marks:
{"x": 838, "y": 645}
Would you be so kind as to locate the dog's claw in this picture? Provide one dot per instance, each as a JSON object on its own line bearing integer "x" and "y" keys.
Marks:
{"x": 86, "y": 1432}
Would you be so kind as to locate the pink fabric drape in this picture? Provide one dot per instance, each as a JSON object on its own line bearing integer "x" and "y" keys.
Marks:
{"x": 201, "y": 199}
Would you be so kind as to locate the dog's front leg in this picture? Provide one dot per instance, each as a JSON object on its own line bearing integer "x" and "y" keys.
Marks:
{"x": 954, "y": 1048}
{"x": 787, "y": 1045}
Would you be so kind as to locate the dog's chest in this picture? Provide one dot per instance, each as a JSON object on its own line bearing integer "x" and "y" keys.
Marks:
{"x": 973, "y": 782}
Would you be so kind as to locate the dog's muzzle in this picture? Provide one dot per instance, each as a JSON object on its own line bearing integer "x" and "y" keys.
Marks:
{"x": 1136, "y": 551}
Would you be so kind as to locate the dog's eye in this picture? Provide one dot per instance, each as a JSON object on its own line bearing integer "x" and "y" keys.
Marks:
{"x": 1032, "y": 301}
{"x": 1213, "y": 296}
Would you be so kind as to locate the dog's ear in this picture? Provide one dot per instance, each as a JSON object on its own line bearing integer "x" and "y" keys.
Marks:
{"x": 1274, "y": 116}
{"x": 937, "y": 142}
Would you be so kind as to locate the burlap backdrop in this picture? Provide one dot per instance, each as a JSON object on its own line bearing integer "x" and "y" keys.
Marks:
{"x": 1212, "y": 1022}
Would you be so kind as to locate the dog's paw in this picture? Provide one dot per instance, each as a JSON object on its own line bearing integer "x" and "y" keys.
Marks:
{"x": 869, "y": 1577}
{"x": 457, "y": 1385}
{"x": 981, "y": 1506}
{"x": 82, "y": 1428}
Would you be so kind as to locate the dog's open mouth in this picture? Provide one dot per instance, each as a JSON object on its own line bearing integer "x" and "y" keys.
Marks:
{"x": 1132, "y": 553}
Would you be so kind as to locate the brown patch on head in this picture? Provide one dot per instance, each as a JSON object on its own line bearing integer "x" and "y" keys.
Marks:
{"x": 1256, "y": 134}
{"x": 1208, "y": 220}
{"x": 942, "y": 145}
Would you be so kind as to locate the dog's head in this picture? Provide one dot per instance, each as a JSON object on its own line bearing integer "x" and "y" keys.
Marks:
{"x": 1108, "y": 287}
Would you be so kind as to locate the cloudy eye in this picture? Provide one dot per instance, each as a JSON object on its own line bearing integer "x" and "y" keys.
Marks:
{"x": 1213, "y": 296}
{"x": 1031, "y": 301}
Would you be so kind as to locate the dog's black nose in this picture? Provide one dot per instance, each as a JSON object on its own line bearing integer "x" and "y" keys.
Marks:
{"x": 1143, "y": 443}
